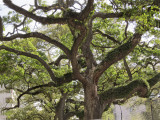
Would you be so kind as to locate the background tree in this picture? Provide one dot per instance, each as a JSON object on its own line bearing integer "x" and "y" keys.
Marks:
{"x": 111, "y": 62}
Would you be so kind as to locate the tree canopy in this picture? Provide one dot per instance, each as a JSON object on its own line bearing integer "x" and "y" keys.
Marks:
{"x": 106, "y": 51}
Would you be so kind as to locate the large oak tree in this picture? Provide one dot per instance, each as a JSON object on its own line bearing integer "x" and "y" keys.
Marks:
{"x": 108, "y": 58}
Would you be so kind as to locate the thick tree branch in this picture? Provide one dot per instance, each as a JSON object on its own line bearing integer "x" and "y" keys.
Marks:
{"x": 74, "y": 50}
{"x": 138, "y": 86}
{"x": 42, "y": 36}
{"x": 43, "y": 20}
{"x": 31, "y": 56}
{"x": 116, "y": 55}
{"x": 60, "y": 107}
{"x": 120, "y": 15}
{"x": 87, "y": 52}
{"x": 78, "y": 40}
{"x": 87, "y": 10}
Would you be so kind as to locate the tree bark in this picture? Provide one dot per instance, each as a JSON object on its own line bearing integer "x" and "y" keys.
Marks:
{"x": 93, "y": 107}
{"x": 60, "y": 108}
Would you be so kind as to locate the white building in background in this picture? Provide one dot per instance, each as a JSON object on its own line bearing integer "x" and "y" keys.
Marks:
{"x": 131, "y": 110}
{"x": 123, "y": 112}
{"x": 5, "y": 100}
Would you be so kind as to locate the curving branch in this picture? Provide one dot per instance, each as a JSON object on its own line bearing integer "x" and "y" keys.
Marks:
{"x": 41, "y": 36}
{"x": 46, "y": 8}
{"x": 31, "y": 56}
{"x": 50, "y": 84}
{"x": 116, "y": 55}
{"x": 58, "y": 82}
{"x": 135, "y": 87}
{"x": 121, "y": 15}
{"x": 108, "y": 36}
{"x": 18, "y": 25}
{"x": 77, "y": 42}
{"x": 43, "y": 20}
{"x": 58, "y": 60}
{"x": 68, "y": 77}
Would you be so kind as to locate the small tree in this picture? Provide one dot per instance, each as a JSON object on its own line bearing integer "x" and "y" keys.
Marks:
{"x": 110, "y": 61}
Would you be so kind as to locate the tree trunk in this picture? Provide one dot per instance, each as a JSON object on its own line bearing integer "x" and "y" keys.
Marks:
{"x": 60, "y": 108}
{"x": 93, "y": 107}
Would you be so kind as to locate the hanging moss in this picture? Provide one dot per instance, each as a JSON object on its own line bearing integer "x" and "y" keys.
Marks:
{"x": 125, "y": 91}
{"x": 117, "y": 51}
